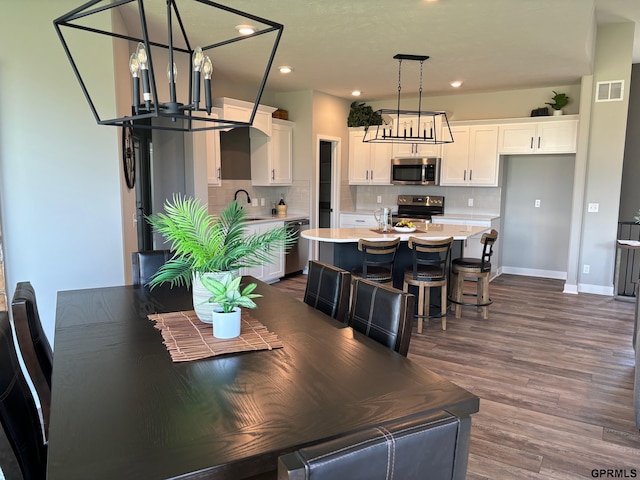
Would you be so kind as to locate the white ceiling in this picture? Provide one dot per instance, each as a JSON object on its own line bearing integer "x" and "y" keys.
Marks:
{"x": 337, "y": 46}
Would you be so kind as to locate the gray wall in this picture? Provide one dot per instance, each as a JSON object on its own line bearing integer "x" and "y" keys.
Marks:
{"x": 59, "y": 170}
{"x": 630, "y": 193}
{"x": 535, "y": 241}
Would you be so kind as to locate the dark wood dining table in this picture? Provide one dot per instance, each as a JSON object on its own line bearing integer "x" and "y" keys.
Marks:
{"x": 121, "y": 408}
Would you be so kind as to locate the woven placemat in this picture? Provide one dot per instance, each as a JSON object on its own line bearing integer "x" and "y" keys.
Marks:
{"x": 187, "y": 338}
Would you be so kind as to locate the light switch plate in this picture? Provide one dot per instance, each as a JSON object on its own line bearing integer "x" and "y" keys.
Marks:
{"x": 537, "y": 203}
{"x": 470, "y": 202}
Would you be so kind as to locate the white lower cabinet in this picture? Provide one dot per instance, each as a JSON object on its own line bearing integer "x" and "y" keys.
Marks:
{"x": 270, "y": 272}
{"x": 357, "y": 220}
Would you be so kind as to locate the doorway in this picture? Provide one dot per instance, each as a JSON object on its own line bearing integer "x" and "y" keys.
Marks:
{"x": 324, "y": 185}
{"x": 328, "y": 175}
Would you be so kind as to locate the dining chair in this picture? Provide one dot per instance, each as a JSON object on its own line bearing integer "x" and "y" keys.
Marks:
{"x": 18, "y": 412}
{"x": 382, "y": 313}
{"x": 145, "y": 263}
{"x": 34, "y": 346}
{"x": 477, "y": 269}
{"x": 327, "y": 289}
{"x": 425, "y": 446}
{"x": 377, "y": 260}
{"x": 429, "y": 269}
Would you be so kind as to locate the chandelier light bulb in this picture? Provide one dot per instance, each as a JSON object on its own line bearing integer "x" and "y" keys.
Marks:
{"x": 134, "y": 65}
{"x": 207, "y": 68}
{"x": 172, "y": 75}
{"x": 141, "y": 53}
{"x": 198, "y": 59}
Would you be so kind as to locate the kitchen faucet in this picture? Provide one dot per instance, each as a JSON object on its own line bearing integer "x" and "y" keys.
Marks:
{"x": 235, "y": 196}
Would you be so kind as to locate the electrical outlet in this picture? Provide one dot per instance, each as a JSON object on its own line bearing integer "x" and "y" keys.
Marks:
{"x": 254, "y": 202}
{"x": 379, "y": 199}
{"x": 586, "y": 268}
{"x": 593, "y": 207}
{"x": 470, "y": 202}
{"x": 262, "y": 202}
{"x": 537, "y": 204}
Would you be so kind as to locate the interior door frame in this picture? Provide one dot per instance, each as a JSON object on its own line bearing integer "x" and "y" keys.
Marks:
{"x": 336, "y": 162}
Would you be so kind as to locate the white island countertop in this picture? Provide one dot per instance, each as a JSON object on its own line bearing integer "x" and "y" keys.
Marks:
{"x": 348, "y": 235}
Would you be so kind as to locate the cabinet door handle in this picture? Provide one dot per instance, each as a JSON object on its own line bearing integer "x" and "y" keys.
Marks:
{"x": 465, "y": 175}
{"x": 219, "y": 173}
{"x": 366, "y": 177}
{"x": 470, "y": 174}
{"x": 371, "y": 175}
{"x": 538, "y": 142}
{"x": 273, "y": 174}
{"x": 531, "y": 143}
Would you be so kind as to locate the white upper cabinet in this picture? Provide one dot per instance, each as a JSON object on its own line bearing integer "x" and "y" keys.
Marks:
{"x": 240, "y": 111}
{"x": 548, "y": 136}
{"x": 369, "y": 163}
{"x": 272, "y": 157}
{"x": 411, "y": 127}
{"x": 206, "y": 150}
{"x": 472, "y": 159}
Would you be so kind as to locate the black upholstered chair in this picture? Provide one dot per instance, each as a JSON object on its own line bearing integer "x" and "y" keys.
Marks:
{"x": 427, "y": 446}
{"x": 383, "y": 313}
{"x": 328, "y": 289}
{"x": 18, "y": 413}
{"x": 34, "y": 345}
{"x": 377, "y": 260}
{"x": 430, "y": 268}
{"x": 475, "y": 268}
{"x": 145, "y": 263}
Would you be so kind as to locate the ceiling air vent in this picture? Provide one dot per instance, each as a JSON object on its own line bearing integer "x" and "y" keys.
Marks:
{"x": 609, "y": 91}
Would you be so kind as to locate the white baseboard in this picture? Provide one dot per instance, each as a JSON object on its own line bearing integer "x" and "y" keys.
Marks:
{"x": 597, "y": 289}
{"x": 533, "y": 272}
{"x": 570, "y": 288}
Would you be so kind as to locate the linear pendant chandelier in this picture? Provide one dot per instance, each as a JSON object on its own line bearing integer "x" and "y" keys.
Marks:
{"x": 170, "y": 52}
{"x": 408, "y": 126}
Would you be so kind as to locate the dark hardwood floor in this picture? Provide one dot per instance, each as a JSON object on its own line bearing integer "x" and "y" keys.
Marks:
{"x": 554, "y": 373}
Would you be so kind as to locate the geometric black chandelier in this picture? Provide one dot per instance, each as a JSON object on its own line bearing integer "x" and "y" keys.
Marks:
{"x": 163, "y": 57}
{"x": 408, "y": 126}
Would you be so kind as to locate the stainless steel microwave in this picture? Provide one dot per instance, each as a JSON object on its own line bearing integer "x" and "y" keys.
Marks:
{"x": 415, "y": 171}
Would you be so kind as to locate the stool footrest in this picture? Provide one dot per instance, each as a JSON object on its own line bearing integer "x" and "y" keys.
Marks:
{"x": 464, "y": 304}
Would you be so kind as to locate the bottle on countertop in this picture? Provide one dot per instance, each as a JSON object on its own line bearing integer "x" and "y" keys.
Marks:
{"x": 281, "y": 207}
{"x": 273, "y": 208}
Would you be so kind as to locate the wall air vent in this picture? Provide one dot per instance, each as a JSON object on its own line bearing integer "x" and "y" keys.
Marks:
{"x": 609, "y": 91}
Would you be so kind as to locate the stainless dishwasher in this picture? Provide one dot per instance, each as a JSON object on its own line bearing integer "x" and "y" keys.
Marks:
{"x": 297, "y": 257}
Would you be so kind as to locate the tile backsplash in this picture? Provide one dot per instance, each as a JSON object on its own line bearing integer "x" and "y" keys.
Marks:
{"x": 296, "y": 196}
{"x": 486, "y": 200}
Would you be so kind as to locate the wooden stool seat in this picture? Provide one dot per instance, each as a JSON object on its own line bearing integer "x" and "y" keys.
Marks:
{"x": 478, "y": 269}
{"x": 430, "y": 267}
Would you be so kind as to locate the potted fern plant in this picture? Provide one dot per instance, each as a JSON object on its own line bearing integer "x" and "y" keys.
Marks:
{"x": 228, "y": 297}
{"x": 205, "y": 245}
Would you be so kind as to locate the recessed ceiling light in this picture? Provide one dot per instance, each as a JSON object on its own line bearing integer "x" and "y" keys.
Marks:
{"x": 456, "y": 83}
{"x": 285, "y": 69}
{"x": 245, "y": 29}
{"x": 356, "y": 93}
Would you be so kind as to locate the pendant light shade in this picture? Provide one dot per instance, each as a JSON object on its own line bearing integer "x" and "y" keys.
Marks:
{"x": 409, "y": 126}
{"x": 162, "y": 55}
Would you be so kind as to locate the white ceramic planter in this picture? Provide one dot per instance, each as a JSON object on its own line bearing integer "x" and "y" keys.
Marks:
{"x": 202, "y": 308}
{"x": 226, "y": 325}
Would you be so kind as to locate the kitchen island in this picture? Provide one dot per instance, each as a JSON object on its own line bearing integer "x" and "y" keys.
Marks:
{"x": 339, "y": 246}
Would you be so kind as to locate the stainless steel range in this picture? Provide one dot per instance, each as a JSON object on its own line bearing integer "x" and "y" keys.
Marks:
{"x": 419, "y": 207}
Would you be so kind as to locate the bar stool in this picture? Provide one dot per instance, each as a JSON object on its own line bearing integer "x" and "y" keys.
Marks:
{"x": 430, "y": 268}
{"x": 377, "y": 261}
{"x": 478, "y": 268}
